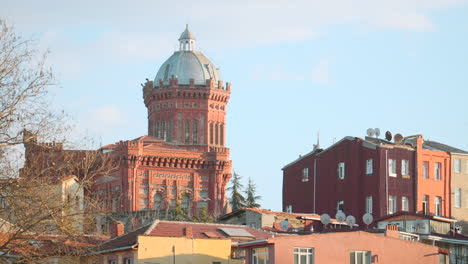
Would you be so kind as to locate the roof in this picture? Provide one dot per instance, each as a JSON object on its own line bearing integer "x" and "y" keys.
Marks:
{"x": 415, "y": 215}
{"x": 187, "y": 34}
{"x": 158, "y": 228}
{"x": 442, "y": 147}
{"x": 186, "y": 65}
{"x": 147, "y": 138}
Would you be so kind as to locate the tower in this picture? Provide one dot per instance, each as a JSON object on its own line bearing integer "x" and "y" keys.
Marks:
{"x": 187, "y": 101}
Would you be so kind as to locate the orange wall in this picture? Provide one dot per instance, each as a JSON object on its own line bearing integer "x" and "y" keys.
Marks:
{"x": 336, "y": 248}
{"x": 431, "y": 186}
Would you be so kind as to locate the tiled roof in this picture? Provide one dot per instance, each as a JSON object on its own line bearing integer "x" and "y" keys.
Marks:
{"x": 443, "y": 147}
{"x": 126, "y": 240}
{"x": 282, "y": 214}
{"x": 204, "y": 230}
{"x": 415, "y": 215}
{"x": 147, "y": 138}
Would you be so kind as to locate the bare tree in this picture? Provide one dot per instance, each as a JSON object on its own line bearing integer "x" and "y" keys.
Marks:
{"x": 45, "y": 187}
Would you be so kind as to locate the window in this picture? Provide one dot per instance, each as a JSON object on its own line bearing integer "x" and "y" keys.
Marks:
{"x": 216, "y": 134}
{"x": 437, "y": 205}
{"x": 391, "y": 204}
{"x": 340, "y": 206}
{"x": 303, "y": 255}
{"x": 112, "y": 262}
{"x": 341, "y": 170}
{"x": 437, "y": 171}
{"x": 458, "y": 197}
{"x": 211, "y": 133}
{"x": 260, "y": 256}
{"x": 404, "y": 167}
{"x": 158, "y": 201}
{"x": 360, "y": 257}
{"x": 457, "y": 165}
{"x": 404, "y": 203}
{"x": 187, "y": 132}
{"x": 144, "y": 190}
{"x": 425, "y": 204}
{"x": 392, "y": 167}
{"x": 127, "y": 261}
{"x": 426, "y": 170}
{"x": 369, "y": 204}
{"x": 143, "y": 203}
{"x": 221, "y": 134}
{"x": 305, "y": 174}
{"x": 369, "y": 166}
{"x": 288, "y": 208}
{"x": 195, "y": 132}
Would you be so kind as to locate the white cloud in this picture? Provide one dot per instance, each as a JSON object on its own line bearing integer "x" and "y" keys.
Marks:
{"x": 104, "y": 119}
{"x": 320, "y": 73}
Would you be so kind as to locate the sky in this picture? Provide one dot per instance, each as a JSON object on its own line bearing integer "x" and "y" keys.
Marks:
{"x": 336, "y": 67}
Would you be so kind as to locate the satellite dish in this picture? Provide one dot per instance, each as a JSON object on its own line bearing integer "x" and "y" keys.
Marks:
{"x": 284, "y": 225}
{"x": 325, "y": 219}
{"x": 377, "y": 132}
{"x": 388, "y": 135}
{"x": 340, "y": 216}
{"x": 350, "y": 220}
{"x": 458, "y": 228}
{"x": 370, "y": 132}
{"x": 398, "y": 138}
{"x": 367, "y": 218}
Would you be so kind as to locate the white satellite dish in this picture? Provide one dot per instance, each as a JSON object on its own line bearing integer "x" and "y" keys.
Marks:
{"x": 340, "y": 216}
{"x": 367, "y": 219}
{"x": 377, "y": 132}
{"x": 350, "y": 220}
{"x": 458, "y": 228}
{"x": 284, "y": 225}
{"x": 325, "y": 219}
{"x": 370, "y": 132}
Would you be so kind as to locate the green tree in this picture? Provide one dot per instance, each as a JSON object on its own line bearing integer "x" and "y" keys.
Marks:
{"x": 203, "y": 216}
{"x": 179, "y": 214}
{"x": 237, "y": 200}
{"x": 252, "y": 198}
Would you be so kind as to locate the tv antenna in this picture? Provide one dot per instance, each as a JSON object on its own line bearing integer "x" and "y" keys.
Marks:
{"x": 367, "y": 218}
{"x": 377, "y": 132}
{"x": 398, "y": 138}
{"x": 325, "y": 219}
{"x": 350, "y": 220}
{"x": 388, "y": 135}
{"x": 340, "y": 216}
{"x": 284, "y": 225}
{"x": 370, "y": 132}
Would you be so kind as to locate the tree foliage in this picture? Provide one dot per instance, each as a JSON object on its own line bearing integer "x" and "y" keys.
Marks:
{"x": 237, "y": 200}
{"x": 251, "y": 197}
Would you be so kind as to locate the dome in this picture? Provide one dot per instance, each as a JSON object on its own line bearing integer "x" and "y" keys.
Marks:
{"x": 186, "y": 65}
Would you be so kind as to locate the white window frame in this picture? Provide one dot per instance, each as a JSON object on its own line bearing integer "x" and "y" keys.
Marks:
{"x": 255, "y": 255}
{"x": 392, "y": 167}
{"x": 457, "y": 166}
{"x": 425, "y": 170}
{"x": 404, "y": 204}
{"x": 437, "y": 171}
{"x": 288, "y": 208}
{"x": 437, "y": 206}
{"x": 365, "y": 257}
{"x": 404, "y": 167}
{"x": 341, "y": 170}
{"x": 458, "y": 200}
{"x": 307, "y": 252}
{"x": 369, "y": 166}
{"x": 305, "y": 174}
{"x": 369, "y": 204}
{"x": 392, "y": 204}
{"x": 338, "y": 205}
{"x": 425, "y": 204}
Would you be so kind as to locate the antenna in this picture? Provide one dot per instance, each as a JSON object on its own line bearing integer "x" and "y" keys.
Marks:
{"x": 377, "y": 132}
{"x": 398, "y": 138}
{"x": 325, "y": 219}
{"x": 458, "y": 229}
{"x": 340, "y": 216}
{"x": 367, "y": 218}
{"x": 370, "y": 132}
{"x": 284, "y": 225}
{"x": 388, "y": 135}
{"x": 350, "y": 220}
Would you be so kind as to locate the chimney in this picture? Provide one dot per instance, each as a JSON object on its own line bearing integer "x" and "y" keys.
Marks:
{"x": 188, "y": 232}
{"x": 118, "y": 229}
{"x": 392, "y": 231}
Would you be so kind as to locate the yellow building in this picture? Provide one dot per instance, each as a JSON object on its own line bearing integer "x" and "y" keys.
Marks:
{"x": 168, "y": 242}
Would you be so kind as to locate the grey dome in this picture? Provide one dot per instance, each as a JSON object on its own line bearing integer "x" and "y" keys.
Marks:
{"x": 187, "y": 34}
{"x": 186, "y": 65}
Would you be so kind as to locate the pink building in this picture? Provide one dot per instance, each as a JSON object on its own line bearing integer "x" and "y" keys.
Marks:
{"x": 342, "y": 247}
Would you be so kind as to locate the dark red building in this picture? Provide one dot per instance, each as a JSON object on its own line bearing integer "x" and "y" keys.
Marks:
{"x": 354, "y": 175}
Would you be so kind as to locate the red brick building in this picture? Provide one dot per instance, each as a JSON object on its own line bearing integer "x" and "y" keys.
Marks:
{"x": 183, "y": 159}
{"x": 358, "y": 176}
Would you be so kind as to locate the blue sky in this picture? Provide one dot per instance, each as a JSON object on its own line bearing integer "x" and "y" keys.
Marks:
{"x": 296, "y": 67}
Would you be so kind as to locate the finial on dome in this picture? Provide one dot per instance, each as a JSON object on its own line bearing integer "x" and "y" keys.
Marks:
{"x": 187, "y": 40}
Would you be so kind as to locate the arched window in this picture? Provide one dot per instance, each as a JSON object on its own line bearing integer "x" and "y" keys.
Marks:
{"x": 158, "y": 127}
{"x": 187, "y": 132}
{"x": 185, "y": 202}
{"x": 163, "y": 131}
{"x": 221, "y": 132}
{"x": 211, "y": 133}
{"x": 216, "y": 134}
{"x": 195, "y": 132}
{"x": 158, "y": 202}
